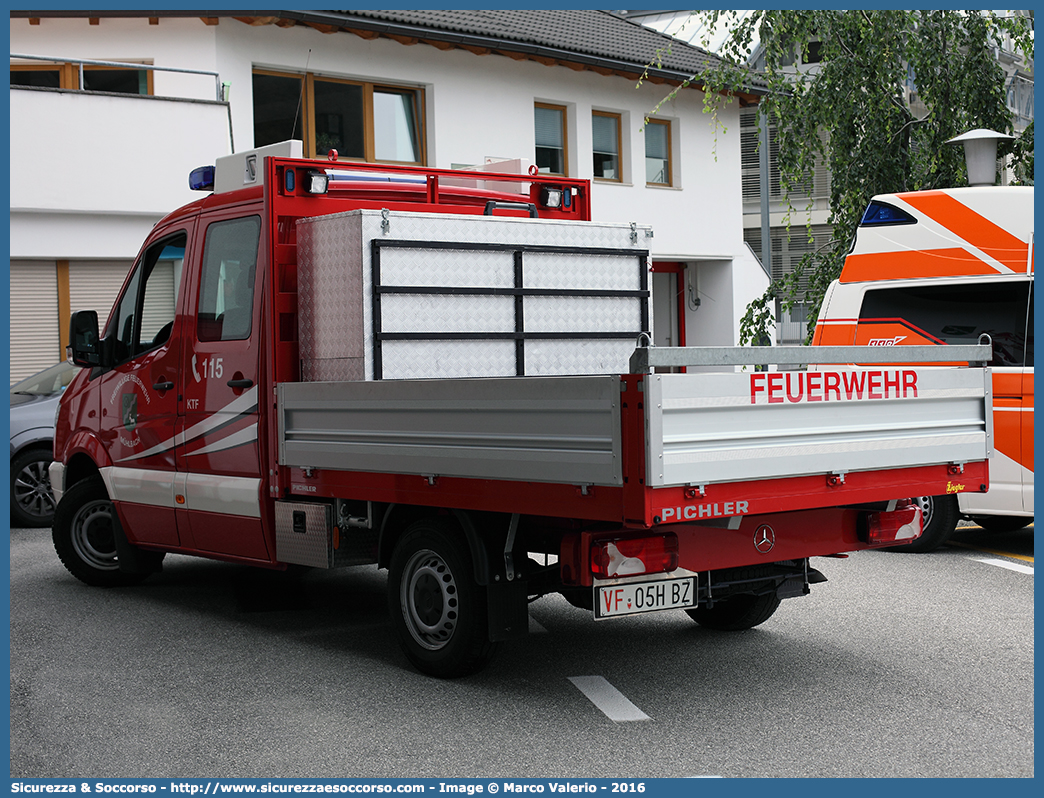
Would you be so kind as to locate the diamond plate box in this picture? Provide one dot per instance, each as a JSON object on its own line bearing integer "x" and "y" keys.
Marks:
{"x": 397, "y": 295}
{"x": 303, "y": 533}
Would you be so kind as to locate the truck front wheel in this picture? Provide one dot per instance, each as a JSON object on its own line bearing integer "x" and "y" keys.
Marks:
{"x": 736, "y": 613}
{"x": 84, "y": 536}
{"x": 438, "y": 609}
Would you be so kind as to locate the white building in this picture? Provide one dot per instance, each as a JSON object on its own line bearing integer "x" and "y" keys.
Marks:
{"x": 95, "y": 164}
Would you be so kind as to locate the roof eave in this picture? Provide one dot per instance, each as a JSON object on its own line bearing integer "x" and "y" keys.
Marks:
{"x": 329, "y": 22}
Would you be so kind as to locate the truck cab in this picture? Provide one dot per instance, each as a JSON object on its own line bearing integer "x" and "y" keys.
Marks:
{"x": 177, "y": 384}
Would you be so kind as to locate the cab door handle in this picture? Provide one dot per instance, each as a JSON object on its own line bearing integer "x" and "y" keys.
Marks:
{"x": 166, "y": 385}
{"x": 240, "y": 383}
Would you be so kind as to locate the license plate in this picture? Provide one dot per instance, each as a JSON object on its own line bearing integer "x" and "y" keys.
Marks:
{"x": 631, "y": 597}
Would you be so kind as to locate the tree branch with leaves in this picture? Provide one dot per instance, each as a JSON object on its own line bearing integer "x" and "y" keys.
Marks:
{"x": 849, "y": 110}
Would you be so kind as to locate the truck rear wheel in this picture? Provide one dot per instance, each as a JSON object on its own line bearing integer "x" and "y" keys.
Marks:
{"x": 736, "y": 613}
{"x": 940, "y": 515}
{"x": 438, "y": 609}
{"x": 84, "y": 536}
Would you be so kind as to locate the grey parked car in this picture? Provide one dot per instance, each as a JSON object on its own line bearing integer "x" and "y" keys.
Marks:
{"x": 33, "y": 404}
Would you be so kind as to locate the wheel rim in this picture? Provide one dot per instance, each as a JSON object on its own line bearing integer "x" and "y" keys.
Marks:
{"x": 428, "y": 596}
{"x": 32, "y": 490}
{"x": 927, "y": 509}
{"x": 92, "y": 536}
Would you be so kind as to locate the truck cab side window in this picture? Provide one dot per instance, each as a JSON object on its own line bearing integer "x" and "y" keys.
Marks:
{"x": 226, "y": 293}
{"x": 144, "y": 316}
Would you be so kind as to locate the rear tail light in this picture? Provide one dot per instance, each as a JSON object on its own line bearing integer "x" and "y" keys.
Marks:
{"x": 902, "y": 525}
{"x": 634, "y": 556}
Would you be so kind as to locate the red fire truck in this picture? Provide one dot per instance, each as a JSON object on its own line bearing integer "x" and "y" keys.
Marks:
{"x": 446, "y": 373}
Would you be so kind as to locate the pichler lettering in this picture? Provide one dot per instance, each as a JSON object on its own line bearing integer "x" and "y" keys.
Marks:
{"x": 694, "y": 512}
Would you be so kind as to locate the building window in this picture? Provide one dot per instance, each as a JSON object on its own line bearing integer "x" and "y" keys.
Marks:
{"x": 46, "y": 78}
{"x": 395, "y": 125}
{"x": 605, "y": 137}
{"x": 816, "y": 186}
{"x": 95, "y": 78}
{"x": 657, "y": 152}
{"x": 362, "y": 121}
{"x": 278, "y": 101}
{"x": 338, "y": 111}
{"x": 788, "y": 249}
{"x": 120, "y": 81}
{"x": 551, "y": 138}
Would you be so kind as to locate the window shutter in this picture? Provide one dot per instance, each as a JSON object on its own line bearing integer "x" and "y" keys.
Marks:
{"x": 656, "y": 141}
{"x": 160, "y": 296}
{"x": 94, "y": 286}
{"x": 548, "y": 127}
{"x": 603, "y": 129}
{"x": 35, "y": 343}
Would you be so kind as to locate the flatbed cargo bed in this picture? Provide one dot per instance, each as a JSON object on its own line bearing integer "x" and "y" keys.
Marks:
{"x": 653, "y": 447}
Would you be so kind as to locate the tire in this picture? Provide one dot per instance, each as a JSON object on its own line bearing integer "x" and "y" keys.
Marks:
{"x": 84, "y": 536}
{"x": 438, "y": 609}
{"x": 941, "y": 515}
{"x": 1002, "y": 523}
{"x": 736, "y": 613}
{"x": 32, "y": 502}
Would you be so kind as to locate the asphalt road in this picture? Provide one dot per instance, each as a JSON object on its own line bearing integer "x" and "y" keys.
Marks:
{"x": 900, "y": 665}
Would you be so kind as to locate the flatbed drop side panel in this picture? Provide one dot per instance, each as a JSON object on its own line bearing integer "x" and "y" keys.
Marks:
{"x": 638, "y": 450}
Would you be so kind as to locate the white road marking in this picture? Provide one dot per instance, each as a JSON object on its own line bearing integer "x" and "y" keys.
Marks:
{"x": 1011, "y": 566}
{"x": 608, "y": 699}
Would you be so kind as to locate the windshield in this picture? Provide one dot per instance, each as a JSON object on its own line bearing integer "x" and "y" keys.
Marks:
{"x": 47, "y": 382}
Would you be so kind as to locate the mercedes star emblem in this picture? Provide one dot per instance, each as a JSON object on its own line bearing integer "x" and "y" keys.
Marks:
{"x": 764, "y": 538}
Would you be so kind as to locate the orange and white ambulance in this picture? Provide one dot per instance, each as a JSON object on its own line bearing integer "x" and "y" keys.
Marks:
{"x": 941, "y": 268}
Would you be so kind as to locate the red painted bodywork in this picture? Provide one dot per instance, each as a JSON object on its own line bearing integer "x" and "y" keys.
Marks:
{"x": 804, "y": 511}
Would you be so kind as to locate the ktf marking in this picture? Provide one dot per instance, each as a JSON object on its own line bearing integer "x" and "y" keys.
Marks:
{"x": 694, "y": 512}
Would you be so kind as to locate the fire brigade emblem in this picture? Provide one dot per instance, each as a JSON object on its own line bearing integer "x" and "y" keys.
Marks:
{"x": 130, "y": 411}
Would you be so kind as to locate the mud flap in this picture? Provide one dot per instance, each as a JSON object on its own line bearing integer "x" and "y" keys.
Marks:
{"x": 794, "y": 586}
{"x": 131, "y": 559}
{"x": 508, "y": 609}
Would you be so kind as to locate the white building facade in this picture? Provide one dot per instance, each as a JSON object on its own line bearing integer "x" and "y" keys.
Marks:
{"x": 93, "y": 169}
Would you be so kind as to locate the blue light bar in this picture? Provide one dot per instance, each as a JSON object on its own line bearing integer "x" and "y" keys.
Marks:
{"x": 202, "y": 178}
{"x": 880, "y": 213}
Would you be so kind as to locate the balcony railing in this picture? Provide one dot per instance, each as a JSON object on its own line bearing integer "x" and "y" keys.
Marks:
{"x": 219, "y": 88}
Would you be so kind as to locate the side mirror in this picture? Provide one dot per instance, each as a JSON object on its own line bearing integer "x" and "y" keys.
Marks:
{"x": 84, "y": 346}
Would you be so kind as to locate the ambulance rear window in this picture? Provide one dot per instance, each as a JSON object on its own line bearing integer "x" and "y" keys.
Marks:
{"x": 959, "y": 314}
